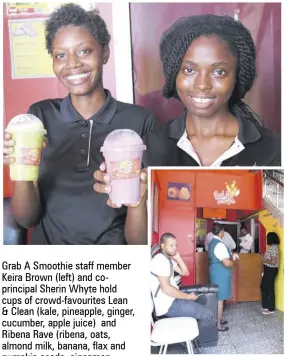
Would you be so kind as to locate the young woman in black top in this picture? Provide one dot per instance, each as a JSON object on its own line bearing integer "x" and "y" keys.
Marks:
{"x": 209, "y": 63}
{"x": 62, "y": 205}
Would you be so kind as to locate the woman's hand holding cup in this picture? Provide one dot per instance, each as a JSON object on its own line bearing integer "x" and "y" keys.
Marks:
{"x": 103, "y": 186}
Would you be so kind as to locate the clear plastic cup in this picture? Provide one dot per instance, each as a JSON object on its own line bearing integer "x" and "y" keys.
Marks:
{"x": 123, "y": 151}
{"x": 28, "y": 132}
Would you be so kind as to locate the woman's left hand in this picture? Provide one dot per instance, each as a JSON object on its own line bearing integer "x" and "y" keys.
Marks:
{"x": 235, "y": 256}
{"x": 102, "y": 186}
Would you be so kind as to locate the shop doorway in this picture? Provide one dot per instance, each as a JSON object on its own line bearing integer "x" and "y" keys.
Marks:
{"x": 233, "y": 229}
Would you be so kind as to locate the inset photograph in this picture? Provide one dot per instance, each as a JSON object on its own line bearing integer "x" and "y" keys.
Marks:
{"x": 72, "y": 151}
{"x": 210, "y": 73}
{"x": 217, "y": 260}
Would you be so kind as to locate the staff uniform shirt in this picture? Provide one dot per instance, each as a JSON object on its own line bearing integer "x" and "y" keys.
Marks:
{"x": 221, "y": 251}
{"x": 246, "y": 243}
{"x": 168, "y": 145}
{"x": 72, "y": 212}
{"x": 160, "y": 266}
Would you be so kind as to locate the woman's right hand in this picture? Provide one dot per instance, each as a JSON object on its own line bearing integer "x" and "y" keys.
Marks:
{"x": 8, "y": 148}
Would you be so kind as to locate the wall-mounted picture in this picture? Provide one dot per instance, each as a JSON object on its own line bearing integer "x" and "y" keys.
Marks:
{"x": 178, "y": 191}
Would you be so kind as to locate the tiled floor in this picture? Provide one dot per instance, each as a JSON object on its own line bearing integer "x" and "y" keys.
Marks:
{"x": 250, "y": 333}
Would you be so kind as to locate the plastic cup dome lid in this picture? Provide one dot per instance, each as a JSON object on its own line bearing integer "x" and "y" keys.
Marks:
{"x": 123, "y": 139}
{"x": 25, "y": 123}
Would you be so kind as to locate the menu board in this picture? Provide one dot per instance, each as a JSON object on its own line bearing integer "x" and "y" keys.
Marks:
{"x": 29, "y": 57}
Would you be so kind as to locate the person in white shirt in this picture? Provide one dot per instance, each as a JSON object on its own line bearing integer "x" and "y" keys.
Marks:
{"x": 227, "y": 240}
{"x": 246, "y": 240}
{"x": 168, "y": 299}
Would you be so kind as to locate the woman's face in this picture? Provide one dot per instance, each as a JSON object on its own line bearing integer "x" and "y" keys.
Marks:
{"x": 207, "y": 77}
{"x": 78, "y": 59}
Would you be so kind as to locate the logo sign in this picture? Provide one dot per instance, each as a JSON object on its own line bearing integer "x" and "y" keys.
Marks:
{"x": 227, "y": 196}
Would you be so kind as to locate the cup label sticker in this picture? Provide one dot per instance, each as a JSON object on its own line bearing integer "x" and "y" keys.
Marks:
{"x": 125, "y": 169}
{"x": 28, "y": 156}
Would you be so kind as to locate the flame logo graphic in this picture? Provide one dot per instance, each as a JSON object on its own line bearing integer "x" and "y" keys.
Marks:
{"x": 232, "y": 189}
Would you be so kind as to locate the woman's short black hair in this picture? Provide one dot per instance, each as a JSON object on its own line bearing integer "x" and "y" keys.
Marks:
{"x": 75, "y": 15}
{"x": 176, "y": 40}
{"x": 272, "y": 239}
{"x": 217, "y": 228}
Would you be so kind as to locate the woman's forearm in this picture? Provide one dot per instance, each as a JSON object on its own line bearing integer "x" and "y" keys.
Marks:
{"x": 25, "y": 203}
{"x": 228, "y": 262}
{"x": 270, "y": 262}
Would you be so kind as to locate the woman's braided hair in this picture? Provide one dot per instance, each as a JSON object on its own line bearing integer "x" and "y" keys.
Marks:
{"x": 176, "y": 40}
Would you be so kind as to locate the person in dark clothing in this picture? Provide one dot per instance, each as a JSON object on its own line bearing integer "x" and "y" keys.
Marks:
{"x": 209, "y": 63}
{"x": 270, "y": 260}
{"x": 62, "y": 205}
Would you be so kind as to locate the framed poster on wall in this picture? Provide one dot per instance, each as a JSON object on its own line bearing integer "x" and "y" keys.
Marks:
{"x": 178, "y": 191}
{"x": 29, "y": 57}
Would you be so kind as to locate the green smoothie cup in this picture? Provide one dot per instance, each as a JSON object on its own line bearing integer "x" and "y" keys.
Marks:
{"x": 28, "y": 132}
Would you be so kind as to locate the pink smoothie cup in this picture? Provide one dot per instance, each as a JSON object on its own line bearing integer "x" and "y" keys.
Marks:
{"x": 123, "y": 150}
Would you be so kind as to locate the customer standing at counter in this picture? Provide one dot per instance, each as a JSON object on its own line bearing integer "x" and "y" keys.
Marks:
{"x": 270, "y": 268}
{"x": 227, "y": 240}
{"x": 221, "y": 263}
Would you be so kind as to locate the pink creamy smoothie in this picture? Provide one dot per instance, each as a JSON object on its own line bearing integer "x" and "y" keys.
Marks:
{"x": 123, "y": 150}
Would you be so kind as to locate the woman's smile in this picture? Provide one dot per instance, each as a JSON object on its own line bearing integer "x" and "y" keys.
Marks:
{"x": 78, "y": 79}
{"x": 202, "y": 103}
